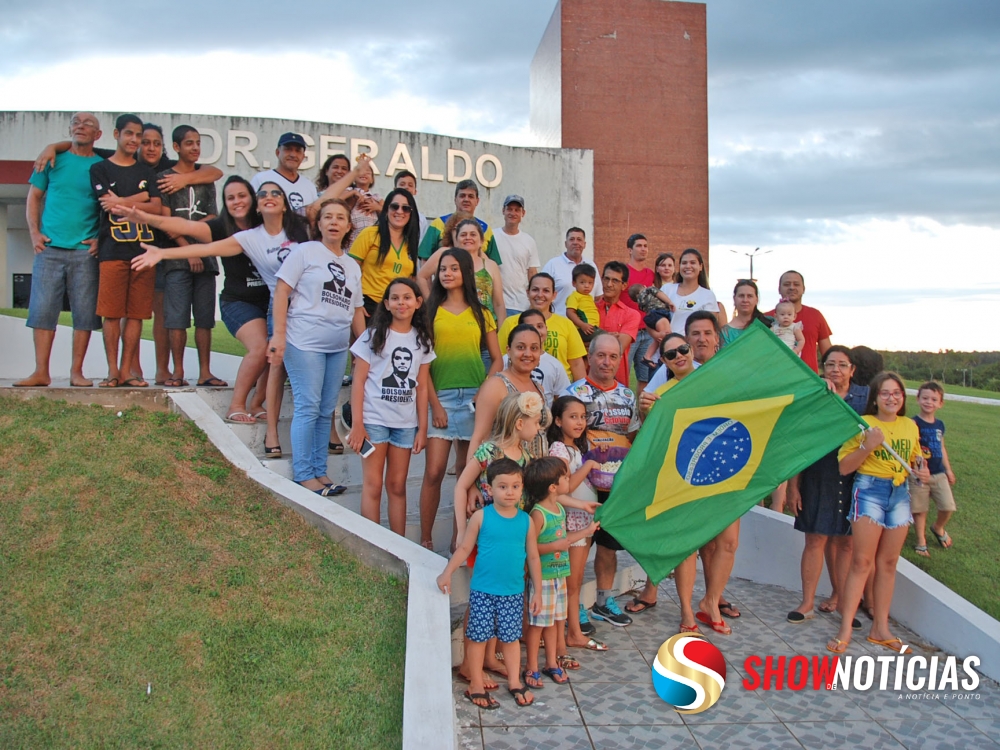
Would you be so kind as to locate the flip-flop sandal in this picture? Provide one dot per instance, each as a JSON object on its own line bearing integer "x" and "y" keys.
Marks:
{"x": 491, "y": 703}
{"x": 487, "y": 686}
{"x": 688, "y": 628}
{"x": 174, "y": 383}
{"x": 728, "y": 610}
{"x": 231, "y": 418}
{"x": 568, "y": 662}
{"x": 595, "y": 645}
{"x": 330, "y": 490}
{"x": 921, "y": 549}
{"x": 943, "y": 539}
{"x": 535, "y": 676}
{"x": 213, "y": 383}
{"x": 637, "y": 602}
{"x": 259, "y": 415}
{"x": 827, "y": 608}
{"x": 272, "y": 451}
{"x": 893, "y": 644}
{"x": 840, "y": 648}
{"x": 554, "y": 673}
{"x": 524, "y": 701}
{"x": 134, "y": 383}
{"x": 335, "y": 449}
{"x": 719, "y": 627}
{"x": 108, "y": 383}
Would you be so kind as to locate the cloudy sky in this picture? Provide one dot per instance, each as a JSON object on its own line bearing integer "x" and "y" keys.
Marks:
{"x": 856, "y": 141}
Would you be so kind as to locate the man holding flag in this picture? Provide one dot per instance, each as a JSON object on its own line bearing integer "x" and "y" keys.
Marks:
{"x": 714, "y": 445}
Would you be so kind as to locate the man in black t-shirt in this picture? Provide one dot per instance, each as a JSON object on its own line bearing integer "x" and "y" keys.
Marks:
{"x": 124, "y": 293}
{"x": 189, "y": 285}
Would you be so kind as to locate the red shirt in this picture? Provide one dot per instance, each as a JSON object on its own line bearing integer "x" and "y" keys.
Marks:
{"x": 619, "y": 318}
{"x": 815, "y": 329}
{"x": 644, "y": 276}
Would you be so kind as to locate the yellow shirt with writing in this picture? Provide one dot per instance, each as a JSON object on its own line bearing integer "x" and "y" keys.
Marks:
{"x": 375, "y": 277}
{"x": 902, "y": 435}
{"x": 563, "y": 342}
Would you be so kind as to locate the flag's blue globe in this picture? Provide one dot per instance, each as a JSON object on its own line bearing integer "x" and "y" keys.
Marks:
{"x": 713, "y": 450}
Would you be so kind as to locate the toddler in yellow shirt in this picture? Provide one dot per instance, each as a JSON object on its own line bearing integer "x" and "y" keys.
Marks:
{"x": 580, "y": 306}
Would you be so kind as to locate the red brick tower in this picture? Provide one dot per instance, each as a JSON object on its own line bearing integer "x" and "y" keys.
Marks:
{"x": 628, "y": 79}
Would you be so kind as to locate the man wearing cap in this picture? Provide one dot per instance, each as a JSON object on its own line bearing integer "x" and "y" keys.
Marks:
{"x": 291, "y": 152}
{"x": 520, "y": 256}
{"x": 467, "y": 200}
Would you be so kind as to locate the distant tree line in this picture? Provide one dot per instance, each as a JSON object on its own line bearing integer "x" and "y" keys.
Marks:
{"x": 974, "y": 369}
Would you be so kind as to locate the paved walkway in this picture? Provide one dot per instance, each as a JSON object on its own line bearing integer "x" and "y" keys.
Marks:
{"x": 610, "y": 702}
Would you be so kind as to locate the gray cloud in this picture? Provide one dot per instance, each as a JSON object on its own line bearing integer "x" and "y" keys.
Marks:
{"x": 851, "y": 111}
{"x": 817, "y": 112}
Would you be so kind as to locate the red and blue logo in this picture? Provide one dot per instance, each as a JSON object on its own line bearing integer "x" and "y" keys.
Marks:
{"x": 689, "y": 673}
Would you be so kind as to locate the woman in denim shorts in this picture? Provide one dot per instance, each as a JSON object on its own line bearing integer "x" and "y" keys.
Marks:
{"x": 461, "y": 327}
{"x": 880, "y": 505}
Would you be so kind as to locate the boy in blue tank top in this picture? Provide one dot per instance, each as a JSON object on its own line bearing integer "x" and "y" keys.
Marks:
{"x": 545, "y": 481}
{"x": 496, "y": 597}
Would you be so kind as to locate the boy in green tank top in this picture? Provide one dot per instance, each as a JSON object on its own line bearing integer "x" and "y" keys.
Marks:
{"x": 545, "y": 480}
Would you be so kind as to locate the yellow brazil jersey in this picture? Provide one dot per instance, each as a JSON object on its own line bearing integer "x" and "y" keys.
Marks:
{"x": 902, "y": 435}
{"x": 432, "y": 239}
{"x": 459, "y": 363}
{"x": 563, "y": 342}
{"x": 585, "y": 306}
{"x": 375, "y": 277}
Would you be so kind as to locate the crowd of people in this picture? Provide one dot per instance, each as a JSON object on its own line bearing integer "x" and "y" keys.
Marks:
{"x": 459, "y": 340}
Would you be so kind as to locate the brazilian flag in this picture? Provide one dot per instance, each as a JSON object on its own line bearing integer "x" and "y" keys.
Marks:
{"x": 716, "y": 443}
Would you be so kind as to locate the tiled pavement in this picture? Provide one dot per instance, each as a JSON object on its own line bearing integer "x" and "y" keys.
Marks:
{"x": 610, "y": 702}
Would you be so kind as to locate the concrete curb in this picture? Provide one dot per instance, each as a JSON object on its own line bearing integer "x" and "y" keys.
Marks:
{"x": 771, "y": 549}
{"x": 428, "y": 706}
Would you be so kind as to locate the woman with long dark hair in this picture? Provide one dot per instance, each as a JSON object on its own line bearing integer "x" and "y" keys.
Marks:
{"x": 388, "y": 250}
{"x": 245, "y": 297}
{"x": 267, "y": 245}
{"x": 692, "y": 292}
{"x": 461, "y": 328}
{"x": 880, "y": 507}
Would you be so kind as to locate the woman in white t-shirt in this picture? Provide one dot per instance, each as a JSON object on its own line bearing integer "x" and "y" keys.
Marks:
{"x": 390, "y": 397}
{"x": 317, "y": 304}
{"x": 692, "y": 293}
{"x": 266, "y": 246}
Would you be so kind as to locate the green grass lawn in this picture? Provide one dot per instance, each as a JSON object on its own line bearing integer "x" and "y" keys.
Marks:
{"x": 972, "y": 566}
{"x": 152, "y": 596}
{"x": 222, "y": 341}
{"x": 957, "y": 390}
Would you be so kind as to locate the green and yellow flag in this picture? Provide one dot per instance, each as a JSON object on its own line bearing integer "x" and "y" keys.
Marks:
{"x": 716, "y": 443}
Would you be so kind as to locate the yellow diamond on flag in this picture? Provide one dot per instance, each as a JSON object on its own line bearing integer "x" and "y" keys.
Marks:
{"x": 714, "y": 450}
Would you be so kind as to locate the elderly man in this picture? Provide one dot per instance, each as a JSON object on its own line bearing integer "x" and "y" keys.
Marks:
{"x": 63, "y": 217}
{"x": 612, "y": 421}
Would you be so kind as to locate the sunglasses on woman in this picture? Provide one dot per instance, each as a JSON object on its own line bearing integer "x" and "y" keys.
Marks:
{"x": 273, "y": 193}
{"x": 404, "y": 207}
{"x": 671, "y": 354}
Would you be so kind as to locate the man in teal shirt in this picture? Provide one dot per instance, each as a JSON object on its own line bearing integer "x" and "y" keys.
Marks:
{"x": 63, "y": 217}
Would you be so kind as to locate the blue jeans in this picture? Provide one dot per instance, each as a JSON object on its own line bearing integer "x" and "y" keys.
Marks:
{"x": 316, "y": 378}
